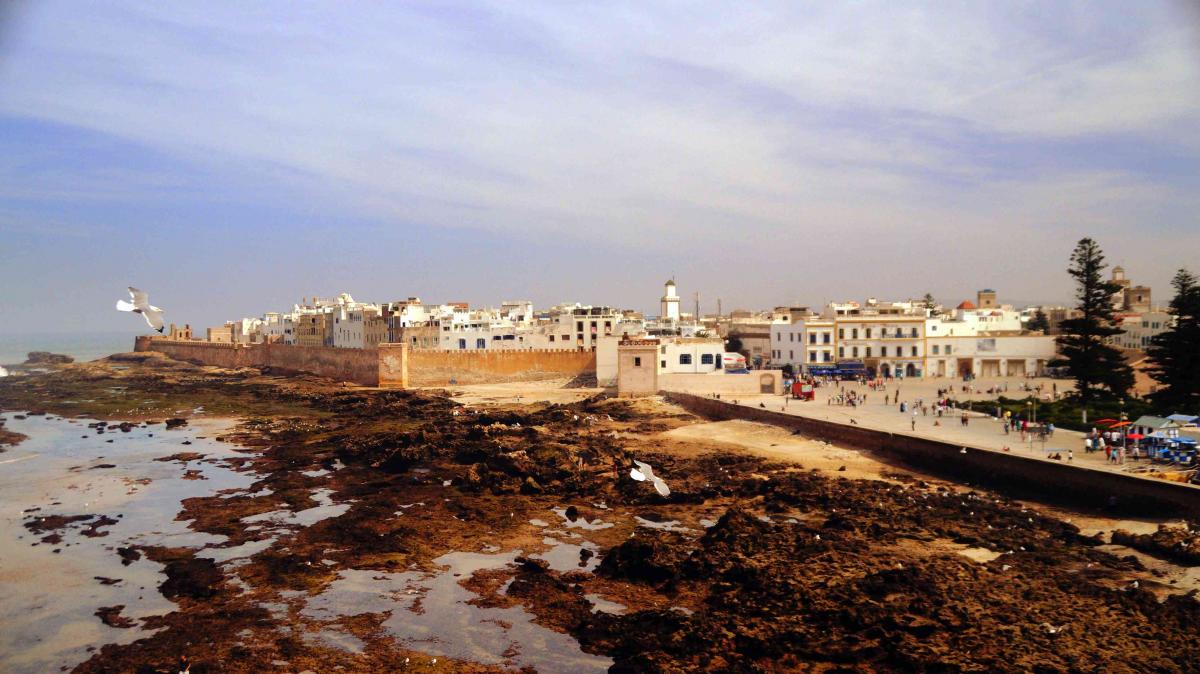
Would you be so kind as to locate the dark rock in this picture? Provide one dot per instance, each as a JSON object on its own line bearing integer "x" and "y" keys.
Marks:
{"x": 194, "y": 577}
{"x": 47, "y": 358}
{"x": 111, "y": 616}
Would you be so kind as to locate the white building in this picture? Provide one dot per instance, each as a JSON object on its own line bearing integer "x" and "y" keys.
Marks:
{"x": 897, "y": 339}
{"x": 1141, "y": 328}
{"x": 278, "y": 328}
{"x": 984, "y": 356}
{"x": 690, "y": 355}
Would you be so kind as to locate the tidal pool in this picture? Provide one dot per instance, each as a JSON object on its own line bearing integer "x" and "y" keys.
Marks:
{"x": 50, "y": 591}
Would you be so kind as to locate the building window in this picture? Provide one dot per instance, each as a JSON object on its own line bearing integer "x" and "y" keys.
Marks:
{"x": 855, "y": 352}
{"x": 462, "y": 343}
{"x": 685, "y": 359}
{"x": 792, "y": 336}
{"x": 947, "y": 349}
{"x": 551, "y": 338}
{"x": 791, "y": 355}
{"x": 914, "y": 332}
{"x": 706, "y": 359}
{"x": 825, "y": 337}
{"x": 868, "y": 352}
{"x": 828, "y": 356}
{"x": 481, "y": 343}
{"x": 883, "y": 351}
{"x": 841, "y": 333}
{"x": 854, "y": 333}
{"x": 637, "y": 361}
{"x": 812, "y": 356}
{"x": 914, "y": 351}
{"x": 841, "y": 352}
{"x": 935, "y": 349}
{"x": 812, "y": 338}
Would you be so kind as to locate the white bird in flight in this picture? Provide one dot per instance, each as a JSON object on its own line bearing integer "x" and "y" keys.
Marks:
{"x": 141, "y": 305}
{"x": 644, "y": 472}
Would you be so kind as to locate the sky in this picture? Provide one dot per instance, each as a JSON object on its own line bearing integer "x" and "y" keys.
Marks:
{"x": 232, "y": 158}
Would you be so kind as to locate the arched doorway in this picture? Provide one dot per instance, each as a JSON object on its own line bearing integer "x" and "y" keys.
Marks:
{"x": 885, "y": 371}
{"x": 910, "y": 370}
{"x": 766, "y": 383}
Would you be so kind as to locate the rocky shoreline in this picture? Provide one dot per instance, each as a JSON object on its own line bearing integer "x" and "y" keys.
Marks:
{"x": 750, "y": 565}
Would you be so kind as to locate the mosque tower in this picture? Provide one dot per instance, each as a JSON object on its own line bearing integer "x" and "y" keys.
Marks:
{"x": 670, "y": 303}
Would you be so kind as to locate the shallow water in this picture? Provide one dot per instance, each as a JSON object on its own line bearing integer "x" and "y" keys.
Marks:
{"x": 325, "y": 509}
{"x": 564, "y": 557}
{"x": 47, "y": 598}
{"x": 430, "y": 613}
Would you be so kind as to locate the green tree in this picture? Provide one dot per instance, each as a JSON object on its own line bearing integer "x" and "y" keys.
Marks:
{"x": 1040, "y": 321}
{"x": 1097, "y": 367}
{"x": 1175, "y": 354}
{"x": 928, "y": 302}
{"x": 733, "y": 344}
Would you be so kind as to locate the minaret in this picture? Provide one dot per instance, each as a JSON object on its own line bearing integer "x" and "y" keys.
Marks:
{"x": 670, "y": 302}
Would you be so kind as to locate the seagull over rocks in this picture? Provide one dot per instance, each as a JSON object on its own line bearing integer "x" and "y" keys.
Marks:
{"x": 141, "y": 305}
{"x": 644, "y": 472}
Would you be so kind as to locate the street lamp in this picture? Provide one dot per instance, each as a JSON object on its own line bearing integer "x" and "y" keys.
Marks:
{"x": 1028, "y": 407}
{"x": 1124, "y": 428}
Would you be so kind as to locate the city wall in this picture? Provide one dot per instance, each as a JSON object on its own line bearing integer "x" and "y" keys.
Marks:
{"x": 441, "y": 368}
{"x": 391, "y": 365}
{"x": 360, "y": 366}
{"x": 1047, "y": 480}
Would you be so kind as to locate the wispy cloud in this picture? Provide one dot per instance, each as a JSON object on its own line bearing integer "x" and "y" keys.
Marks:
{"x": 637, "y": 125}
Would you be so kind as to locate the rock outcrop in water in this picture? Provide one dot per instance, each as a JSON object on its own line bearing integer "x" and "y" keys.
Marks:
{"x": 47, "y": 358}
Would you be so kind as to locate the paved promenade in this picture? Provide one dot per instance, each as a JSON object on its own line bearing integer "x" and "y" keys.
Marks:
{"x": 983, "y": 431}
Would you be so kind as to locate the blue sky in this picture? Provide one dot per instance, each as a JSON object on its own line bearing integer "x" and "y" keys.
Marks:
{"x": 234, "y": 157}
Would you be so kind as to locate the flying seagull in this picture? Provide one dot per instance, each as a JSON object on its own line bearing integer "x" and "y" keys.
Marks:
{"x": 141, "y": 305}
{"x": 644, "y": 472}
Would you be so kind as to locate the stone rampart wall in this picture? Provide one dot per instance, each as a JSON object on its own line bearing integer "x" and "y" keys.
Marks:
{"x": 360, "y": 366}
{"x": 392, "y": 365}
{"x": 440, "y": 368}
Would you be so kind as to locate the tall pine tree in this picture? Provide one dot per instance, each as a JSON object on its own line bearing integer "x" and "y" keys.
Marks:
{"x": 1097, "y": 367}
{"x": 1040, "y": 321}
{"x": 1175, "y": 354}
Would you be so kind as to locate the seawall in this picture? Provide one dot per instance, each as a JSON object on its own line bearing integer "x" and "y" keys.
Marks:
{"x": 360, "y": 366}
{"x": 390, "y": 366}
{"x": 440, "y": 368}
{"x": 1047, "y": 480}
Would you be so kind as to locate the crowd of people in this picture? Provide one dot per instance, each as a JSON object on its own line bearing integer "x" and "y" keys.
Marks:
{"x": 1112, "y": 443}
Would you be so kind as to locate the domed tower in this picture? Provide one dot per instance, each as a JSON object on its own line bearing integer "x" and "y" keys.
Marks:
{"x": 670, "y": 302}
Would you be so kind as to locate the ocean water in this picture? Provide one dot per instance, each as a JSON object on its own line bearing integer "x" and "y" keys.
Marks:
{"x": 81, "y": 346}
